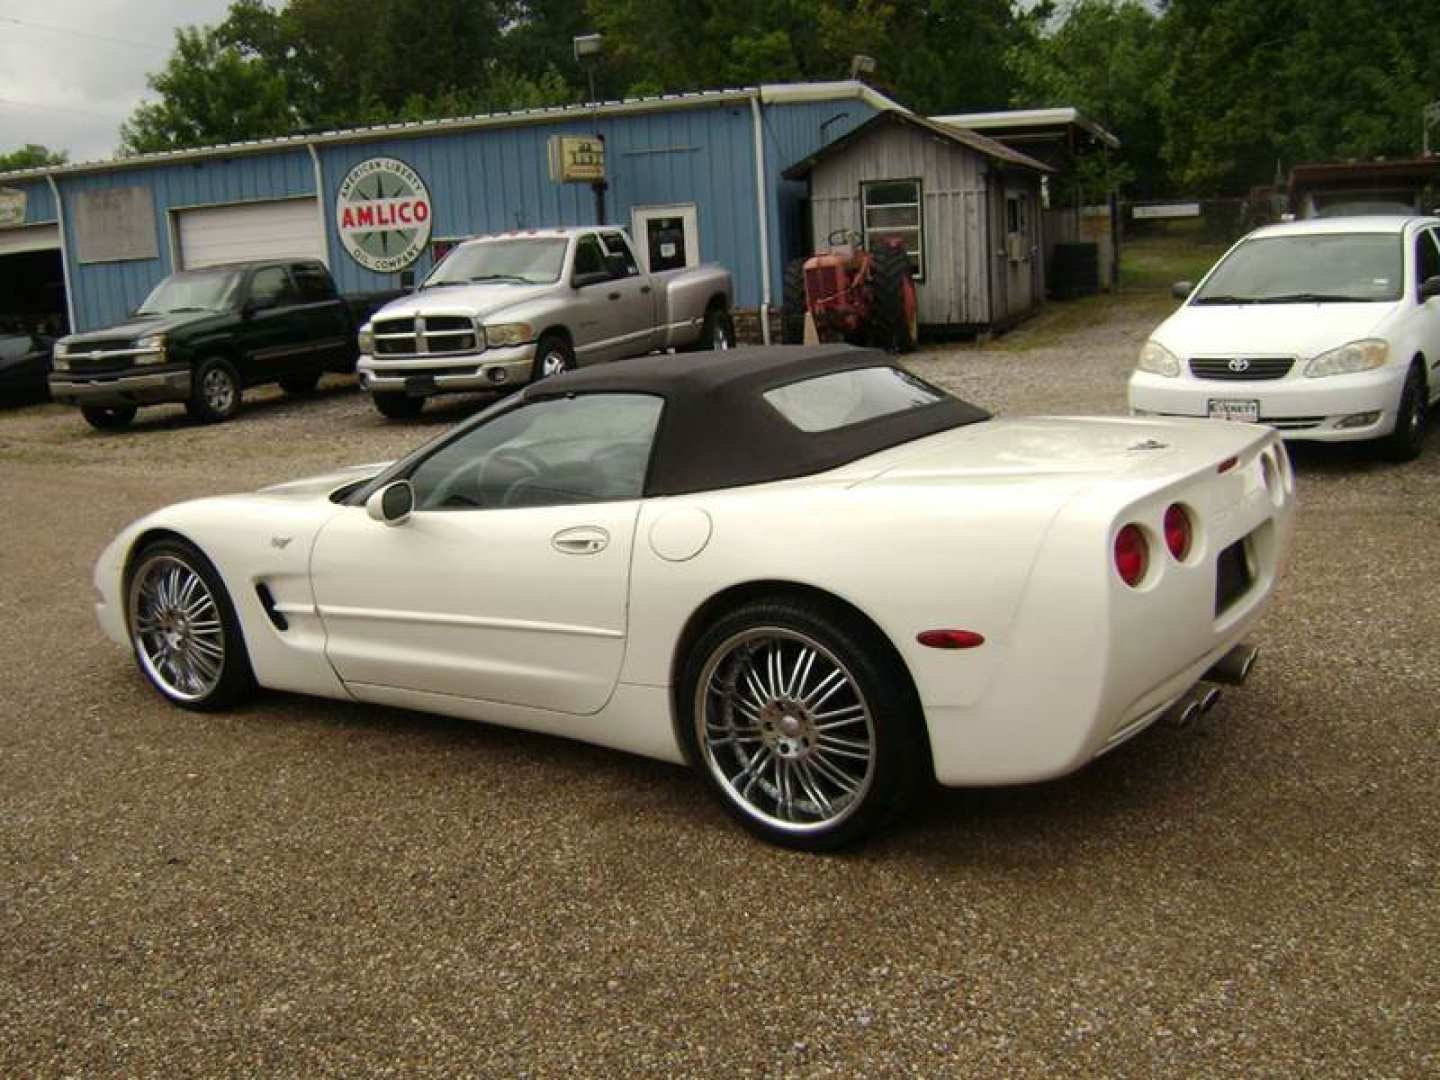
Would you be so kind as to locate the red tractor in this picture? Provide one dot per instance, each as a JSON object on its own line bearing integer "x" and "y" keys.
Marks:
{"x": 865, "y": 297}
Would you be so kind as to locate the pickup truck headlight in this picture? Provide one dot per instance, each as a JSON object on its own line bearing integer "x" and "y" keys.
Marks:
{"x": 60, "y": 357}
{"x": 1347, "y": 359}
{"x": 366, "y": 340}
{"x": 514, "y": 333}
{"x": 1158, "y": 360}
{"x": 154, "y": 348}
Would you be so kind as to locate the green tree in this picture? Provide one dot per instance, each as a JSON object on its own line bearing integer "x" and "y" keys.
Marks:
{"x": 32, "y": 156}
{"x": 210, "y": 92}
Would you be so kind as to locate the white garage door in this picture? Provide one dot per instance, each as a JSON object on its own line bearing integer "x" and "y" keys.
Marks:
{"x": 287, "y": 229}
{"x": 29, "y": 238}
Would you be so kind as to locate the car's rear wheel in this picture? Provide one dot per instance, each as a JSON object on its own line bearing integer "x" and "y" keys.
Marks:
{"x": 1404, "y": 443}
{"x": 108, "y": 417}
{"x": 553, "y": 355}
{"x": 184, "y": 629}
{"x": 802, "y": 722}
{"x": 214, "y": 392}
{"x": 396, "y": 406}
{"x": 718, "y": 333}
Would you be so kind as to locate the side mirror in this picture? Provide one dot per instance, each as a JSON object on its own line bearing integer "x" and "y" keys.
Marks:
{"x": 1181, "y": 290}
{"x": 593, "y": 277}
{"x": 1429, "y": 288}
{"x": 392, "y": 503}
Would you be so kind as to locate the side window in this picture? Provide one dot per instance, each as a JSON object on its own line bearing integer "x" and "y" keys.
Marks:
{"x": 313, "y": 282}
{"x": 1427, "y": 256}
{"x": 553, "y": 452}
{"x": 891, "y": 212}
{"x": 618, "y": 254}
{"x": 270, "y": 287}
{"x": 589, "y": 258}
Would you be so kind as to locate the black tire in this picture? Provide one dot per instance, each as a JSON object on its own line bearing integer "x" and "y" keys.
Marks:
{"x": 718, "y": 333}
{"x": 792, "y": 304}
{"x": 214, "y": 391}
{"x": 890, "y": 271}
{"x": 553, "y": 355}
{"x": 396, "y": 406}
{"x": 169, "y": 625}
{"x": 822, "y": 797}
{"x": 108, "y": 417}
{"x": 301, "y": 383}
{"x": 1404, "y": 443}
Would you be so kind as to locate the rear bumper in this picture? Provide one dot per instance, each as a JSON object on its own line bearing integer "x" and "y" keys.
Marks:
{"x": 424, "y": 376}
{"x": 1332, "y": 409}
{"x": 123, "y": 388}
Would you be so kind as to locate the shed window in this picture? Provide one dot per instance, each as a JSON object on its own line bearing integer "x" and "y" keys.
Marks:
{"x": 892, "y": 211}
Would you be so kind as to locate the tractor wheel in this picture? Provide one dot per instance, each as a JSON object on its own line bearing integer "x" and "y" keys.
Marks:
{"x": 792, "y": 312}
{"x": 895, "y": 323}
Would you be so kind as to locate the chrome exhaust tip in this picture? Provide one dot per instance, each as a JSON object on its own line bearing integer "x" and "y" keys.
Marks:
{"x": 1208, "y": 699}
{"x": 1234, "y": 667}
{"x": 1187, "y": 713}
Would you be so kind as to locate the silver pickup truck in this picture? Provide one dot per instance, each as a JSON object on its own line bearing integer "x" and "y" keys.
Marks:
{"x": 505, "y": 310}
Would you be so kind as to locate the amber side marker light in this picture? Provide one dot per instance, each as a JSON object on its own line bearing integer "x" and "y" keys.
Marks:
{"x": 950, "y": 639}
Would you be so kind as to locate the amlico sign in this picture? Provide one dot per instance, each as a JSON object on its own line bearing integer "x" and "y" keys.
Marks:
{"x": 383, "y": 214}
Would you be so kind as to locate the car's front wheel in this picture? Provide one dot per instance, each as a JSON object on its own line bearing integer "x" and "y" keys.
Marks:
{"x": 553, "y": 355}
{"x": 184, "y": 629}
{"x": 395, "y": 406}
{"x": 214, "y": 392}
{"x": 803, "y": 722}
{"x": 1404, "y": 443}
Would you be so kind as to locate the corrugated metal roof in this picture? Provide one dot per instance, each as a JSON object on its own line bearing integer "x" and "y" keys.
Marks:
{"x": 962, "y": 136}
{"x": 1029, "y": 118}
{"x": 779, "y": 93}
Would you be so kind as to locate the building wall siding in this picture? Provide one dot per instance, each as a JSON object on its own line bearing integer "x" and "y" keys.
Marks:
{"x": 956, "y": 289}
{"x": 39, "y": 203}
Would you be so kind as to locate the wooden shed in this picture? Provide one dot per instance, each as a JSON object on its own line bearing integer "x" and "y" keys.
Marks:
{"x": 967, "y": 208}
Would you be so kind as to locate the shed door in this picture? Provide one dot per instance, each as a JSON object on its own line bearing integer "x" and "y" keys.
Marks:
{"x": 284, "y": 229}
{"x": 1022, "y": 250}
{"x": 29, "y": 238}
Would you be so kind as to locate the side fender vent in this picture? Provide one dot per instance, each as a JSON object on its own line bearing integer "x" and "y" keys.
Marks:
{"x": 267, "y": 601}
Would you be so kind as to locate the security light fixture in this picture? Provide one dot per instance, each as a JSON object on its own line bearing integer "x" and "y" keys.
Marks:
{"x": 860, "y": 64}
{"x": 588, "y": 48}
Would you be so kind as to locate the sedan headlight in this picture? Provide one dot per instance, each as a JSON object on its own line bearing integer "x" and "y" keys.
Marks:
{"x": 366, "y": 340}
{"x": 1158, "y": 360}
{"x": 1347, "y": 359}
{"x": 514, "y": 333}
{"x": 153, "y": 349}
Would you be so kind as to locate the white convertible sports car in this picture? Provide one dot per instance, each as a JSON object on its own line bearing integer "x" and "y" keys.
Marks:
{"x": 814, "y": 576}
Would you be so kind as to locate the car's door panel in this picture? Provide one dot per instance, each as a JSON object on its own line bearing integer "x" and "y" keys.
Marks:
{"x": 482, "y": 604}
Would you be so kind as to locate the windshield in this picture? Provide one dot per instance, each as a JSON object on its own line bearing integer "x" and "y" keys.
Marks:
{"x": 1314, "y": 268}
{"x": 525, "y": 261}
{"x": 193, "y": 290}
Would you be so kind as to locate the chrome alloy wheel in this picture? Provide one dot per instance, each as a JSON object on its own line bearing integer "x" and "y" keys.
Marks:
{"x": 175, "y": 624}
{"x": 721, "y": 340}
{"x": 218, "y": 390}
{"x": 552, "y": 363}
{"x": 784, "y": 728}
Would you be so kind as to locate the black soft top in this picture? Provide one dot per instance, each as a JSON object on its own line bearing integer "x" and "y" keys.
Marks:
{"x": 718, "y": 431}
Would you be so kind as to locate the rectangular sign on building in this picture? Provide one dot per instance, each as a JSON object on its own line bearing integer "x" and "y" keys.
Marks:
{"x": 577, "y": 159}
{"x": 115, "y": 224}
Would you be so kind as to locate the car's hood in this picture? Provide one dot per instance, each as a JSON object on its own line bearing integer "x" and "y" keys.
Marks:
{"x": 1302, "y": 330}
{"x": 457, "y": 299}
{"x": 323, "y": 485}
{"x": 139, "y": 326}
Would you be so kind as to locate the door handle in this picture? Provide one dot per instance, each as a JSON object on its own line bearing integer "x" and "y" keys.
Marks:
{"x": 581, "y": 540}
{"x": 614, "y": 296}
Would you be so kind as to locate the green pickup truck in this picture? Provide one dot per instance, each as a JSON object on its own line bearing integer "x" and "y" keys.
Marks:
{"x": 202, "y": 336}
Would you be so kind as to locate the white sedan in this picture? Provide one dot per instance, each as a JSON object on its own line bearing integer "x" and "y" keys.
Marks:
{"x": 1326, "y": 330}
{"x": 812, "y": 575}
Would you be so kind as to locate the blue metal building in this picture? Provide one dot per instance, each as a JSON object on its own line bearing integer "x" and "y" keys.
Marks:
{"x": 707, "y": 163}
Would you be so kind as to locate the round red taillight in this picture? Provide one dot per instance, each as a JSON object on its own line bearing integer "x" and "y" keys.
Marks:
{"x": 1177, "y": 531}
{"x": 1132, "y": 554}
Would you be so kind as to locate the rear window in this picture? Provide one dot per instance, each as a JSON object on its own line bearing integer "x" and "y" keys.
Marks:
{"x": 842, "y": 398}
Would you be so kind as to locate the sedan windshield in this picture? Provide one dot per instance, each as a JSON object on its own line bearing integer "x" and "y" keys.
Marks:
{"x": 523, "y": 261}
{"x": 193, "y": 290}
{"x": 1316, "y": 268}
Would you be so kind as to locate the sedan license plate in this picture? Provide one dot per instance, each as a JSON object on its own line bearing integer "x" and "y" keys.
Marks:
{"x": 420, "y": 385}
{"x": 1235, "y": 409}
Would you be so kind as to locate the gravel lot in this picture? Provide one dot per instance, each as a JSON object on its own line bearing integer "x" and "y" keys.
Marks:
{"x": 311, "y": 888}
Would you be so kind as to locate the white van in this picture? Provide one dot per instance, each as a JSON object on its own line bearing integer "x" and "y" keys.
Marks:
{"x": 1326, "y": 329}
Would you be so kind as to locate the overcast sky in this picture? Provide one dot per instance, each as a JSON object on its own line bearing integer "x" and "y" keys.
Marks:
{"x": 72, "y": 70}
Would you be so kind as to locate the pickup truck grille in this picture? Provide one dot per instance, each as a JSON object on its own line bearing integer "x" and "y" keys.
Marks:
{"x": 425, "y": 336}
{"x": 1242, "y": 368}
{"x": 113, "y": 356}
